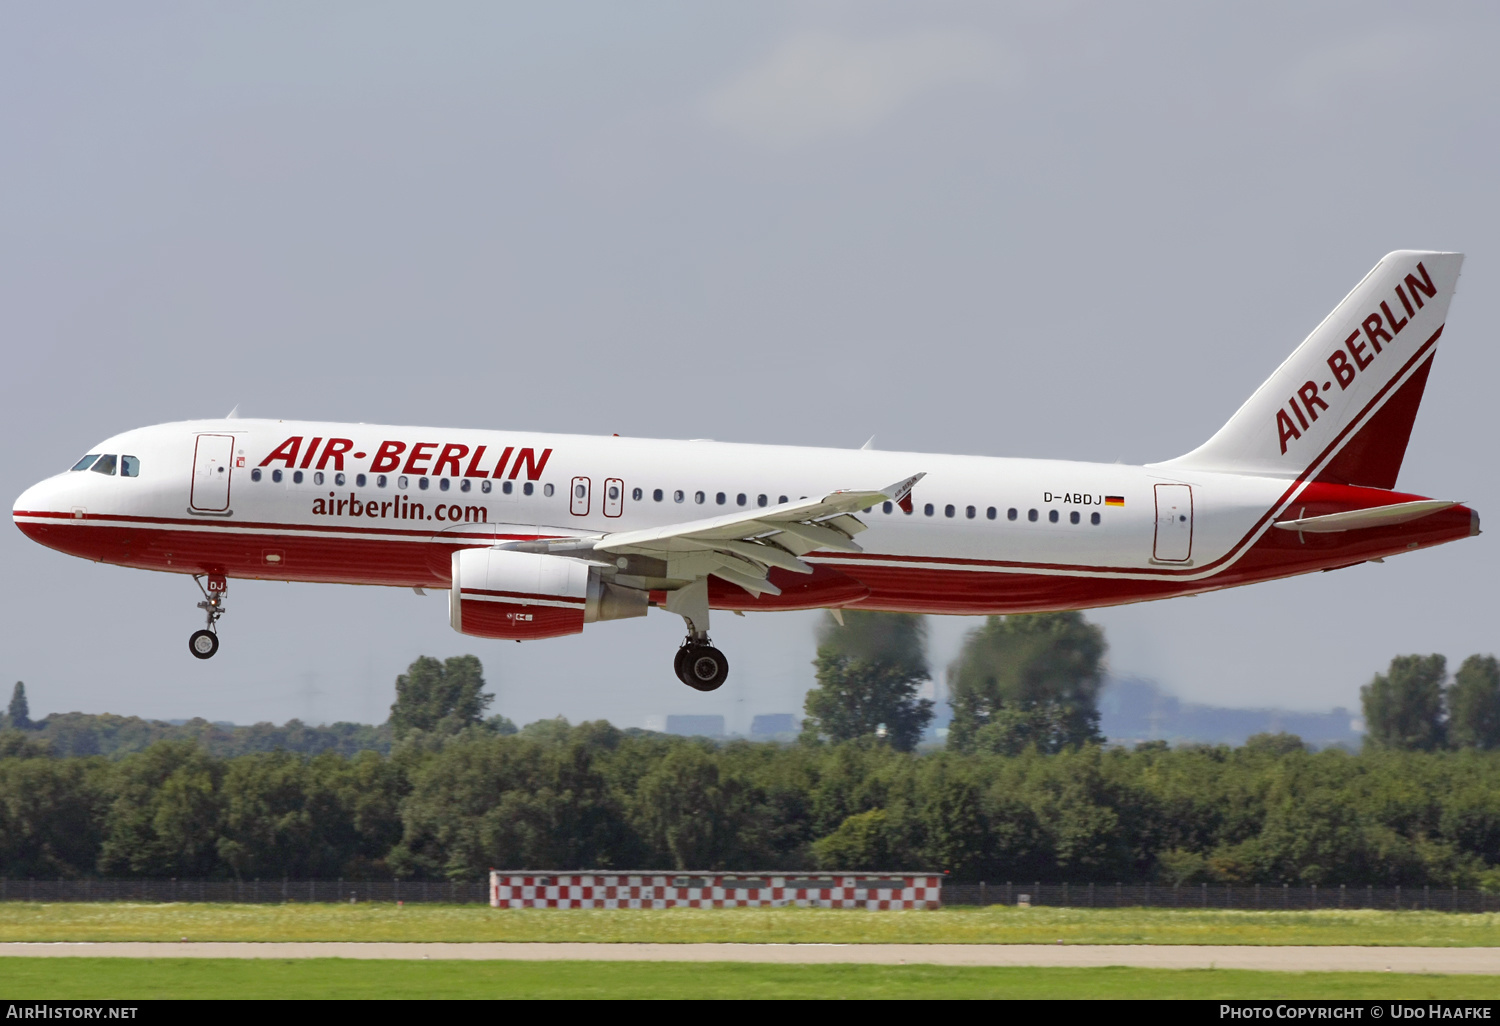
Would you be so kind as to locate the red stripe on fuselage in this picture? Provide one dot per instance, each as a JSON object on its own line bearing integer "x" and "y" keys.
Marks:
{"x": 942, "y": 586}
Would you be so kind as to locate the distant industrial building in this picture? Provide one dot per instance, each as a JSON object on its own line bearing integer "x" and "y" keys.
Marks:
{"x": 1133, "y": 710}
{"x": 773, "y": 727}
{"x": 696, "y": 726}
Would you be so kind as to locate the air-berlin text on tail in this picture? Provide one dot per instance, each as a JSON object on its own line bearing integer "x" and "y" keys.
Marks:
{"x": 450, "y": 459}
{"x": 1366, "y": 343}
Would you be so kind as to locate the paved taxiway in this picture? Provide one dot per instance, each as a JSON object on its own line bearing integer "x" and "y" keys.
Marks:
{"x": 1282, "y": 959}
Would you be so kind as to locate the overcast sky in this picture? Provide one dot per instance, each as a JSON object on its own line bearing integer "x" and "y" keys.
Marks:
{"x": 1066, "y": 230}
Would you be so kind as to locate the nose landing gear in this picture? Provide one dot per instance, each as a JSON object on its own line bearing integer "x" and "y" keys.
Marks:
{"x": 203, "y": 644}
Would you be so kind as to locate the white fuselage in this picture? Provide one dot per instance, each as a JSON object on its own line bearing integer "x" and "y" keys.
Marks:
{"x": 356, "y": 503}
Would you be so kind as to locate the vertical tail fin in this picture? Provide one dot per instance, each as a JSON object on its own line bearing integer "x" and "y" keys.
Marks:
{"x": 1341, "y": 407}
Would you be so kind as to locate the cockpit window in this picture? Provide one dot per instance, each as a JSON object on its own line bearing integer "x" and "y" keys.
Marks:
{"x": 104, "y": 465}
{"x": 86, "y": 462}
{"x": 130, "y": 466}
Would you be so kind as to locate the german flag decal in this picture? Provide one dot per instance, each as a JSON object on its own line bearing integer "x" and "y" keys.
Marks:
{"x": 1114, "y": 500}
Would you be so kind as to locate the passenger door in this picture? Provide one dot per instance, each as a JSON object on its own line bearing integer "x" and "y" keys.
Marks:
{"x": 213, "y": 457}
{"x": 579, "y": 497}
{"x": 1174, "y": 523}
{"x": 614, "y": 497}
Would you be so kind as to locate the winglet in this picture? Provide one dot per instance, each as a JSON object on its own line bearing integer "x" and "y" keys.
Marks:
{"x": 900, "y": 492}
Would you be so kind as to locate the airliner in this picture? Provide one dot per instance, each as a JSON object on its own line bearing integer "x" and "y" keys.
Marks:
{"x": 537, "y": 535}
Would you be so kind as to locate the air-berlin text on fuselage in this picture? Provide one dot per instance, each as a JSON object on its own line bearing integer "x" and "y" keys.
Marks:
{"x": 1378, "y": 329}
{"x": 450, "y": 459}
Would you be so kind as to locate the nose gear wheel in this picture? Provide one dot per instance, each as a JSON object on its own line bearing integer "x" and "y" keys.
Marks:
{"x": 203, "y": 644}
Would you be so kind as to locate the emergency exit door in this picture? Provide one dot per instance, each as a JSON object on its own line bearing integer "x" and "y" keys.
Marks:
{"x": 212, "y": 458}
{"x": 579, "y": 500}
{"x": 1174, "y": 523}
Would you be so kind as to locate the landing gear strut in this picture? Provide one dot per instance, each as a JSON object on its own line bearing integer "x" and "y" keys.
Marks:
{"x": 203, "y": 644}
{"x": 698, "y": 664}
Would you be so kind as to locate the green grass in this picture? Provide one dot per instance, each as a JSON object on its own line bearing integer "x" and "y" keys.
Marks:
{"x": 140, "y": 979}
{"x": 997, "y": 924}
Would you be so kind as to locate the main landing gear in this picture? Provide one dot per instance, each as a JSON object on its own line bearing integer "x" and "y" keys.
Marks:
{"x": 699, "y": 665}
{"x": 203, "y": 644}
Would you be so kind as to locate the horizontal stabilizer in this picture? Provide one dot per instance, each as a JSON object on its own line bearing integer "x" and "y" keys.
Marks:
{"x": 1375, "y": 516}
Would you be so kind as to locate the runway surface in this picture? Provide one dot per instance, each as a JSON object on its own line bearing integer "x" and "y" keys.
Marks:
{"x": 1282, "y": 959}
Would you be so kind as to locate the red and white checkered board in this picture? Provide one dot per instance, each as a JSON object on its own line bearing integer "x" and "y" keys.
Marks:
{"x": 667, "y": 890}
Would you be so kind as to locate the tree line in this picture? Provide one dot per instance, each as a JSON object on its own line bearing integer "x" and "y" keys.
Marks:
{"x": 1023, "y": 791}
{"x": 1033, "y": 682}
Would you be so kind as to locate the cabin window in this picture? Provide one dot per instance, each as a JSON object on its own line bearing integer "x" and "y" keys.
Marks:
{"x": 782, "y": 499}
{"x": 761, "y": 500}
{"x": 579, "y": 491}
{"x": 1031, "y": 515}
{"x": 611, "y": 493}
{"x": 1052, "y": 515}
{"x": 484, "y": 486}
{"x": 276, "y": 475}
{"x": 130, "y": 466}
{"x": 296, "y": 476}
{"x": 928, "y": 509}
{"x": 255, "y": 474}
{"x": 886, "y": 507}
{"x": 698, "y": 497}
{"x": 508, "y": 487}
{"x": 741, "y": 498}
{"x": 635, "y": 493}
{"x": 679, "y": 495}
{"x": 380, "y": 480}
{"x": 339, "y": 480}
{"x": 1094, "y": 519}
{"x": 422, "y": 483}
{"x": 442, "y": 484}
{"x": 528, "y": 488}
{"x": 401, "y": 483}
{"x": 656, "y": 495}
{"x": 360, "y": 480}
{"x": 1073, "y": 517}
{"x": 317, "y": 477}
{"x": 970, "y": 512}
{"x": 86, "y": 462}
{"x": 721, "y": 498}
{"x": 948, "y": 510}
{"x": 465, "y": 485}
{"x": 547, "y": 490}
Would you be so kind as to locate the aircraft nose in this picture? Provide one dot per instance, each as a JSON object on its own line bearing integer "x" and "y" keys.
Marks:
{"x": 43, "y": 497}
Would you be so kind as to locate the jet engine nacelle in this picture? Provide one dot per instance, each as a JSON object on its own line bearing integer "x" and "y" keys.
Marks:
{"x": 498, "y": 593}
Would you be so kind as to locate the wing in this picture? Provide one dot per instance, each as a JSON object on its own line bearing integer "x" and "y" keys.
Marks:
{"x": 741, "y": 548}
